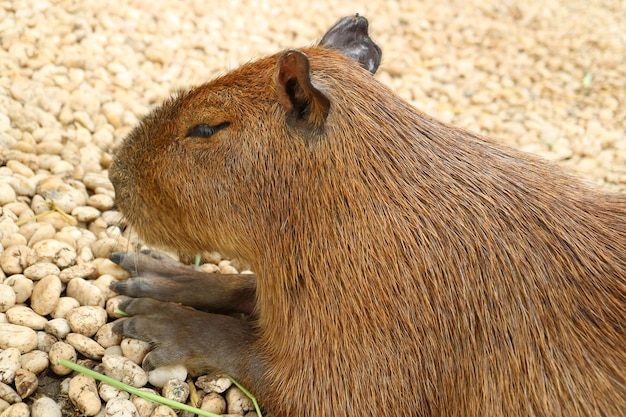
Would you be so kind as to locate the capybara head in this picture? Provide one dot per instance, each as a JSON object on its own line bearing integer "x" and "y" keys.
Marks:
{"x": 218, "y": 165}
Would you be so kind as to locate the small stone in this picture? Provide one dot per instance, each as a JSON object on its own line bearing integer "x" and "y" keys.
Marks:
{"x": 85, "y": 214}
{"x": 20, "y": 337}
{"x": 58, "y": 327}
{"x": 101, "y": 202}
{"x": 163, "y": 411}
{"x": 213, "y": 403}
{"x": 45, "y": 341}
{"x": 35, "y": 361}
{"x": 24, "y": 316}
{"x": 237, "y": 402}
{"x": 108, "y": 393}
{"x": 45, "y": 407}
{"x": 61, "y": 350}
{"x": 42, "y": 232}
{"x": 176, "y": 390}
{"x": 144, "y": 407}
{"x": 84, "y": 270}
{"x": 16, "y": 410}
{"x": 9, "y": 364}
{"x": 106, "y": 337}
{"x": 84, "y": 394}
{"x": 86, "y": 320}
{"x": 8, "y": 394}
{"x": 40, "y": 270}
{"x": 7, "y": 298}
{"x": 120, "y": 407}
{"x": 85, "y": 293}
{"x": 65, "y": 305}
{"x": 14, "y": 259}
{"x": 84, "y": 345}
{"x": 46, "y": 295}
{"x": 124, "y": 370}
{"x": 22, "y": 287}
{"x": 25, "y": 383}
{"x": 107, "y": 267}
{"x": 7, "y": 194}
{"x": 159, "y": 376}
{"x": 50, "y": 250}
{"x": 218, "y": 385}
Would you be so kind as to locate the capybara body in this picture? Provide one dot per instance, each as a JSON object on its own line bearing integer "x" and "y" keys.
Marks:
{"x": 403, "y": 266}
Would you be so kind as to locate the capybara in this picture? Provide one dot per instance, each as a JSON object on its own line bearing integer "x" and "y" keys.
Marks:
{"x": 403, "y": 267}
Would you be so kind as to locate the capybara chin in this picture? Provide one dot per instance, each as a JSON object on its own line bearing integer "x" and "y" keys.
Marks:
{"x": 403, "y": 266}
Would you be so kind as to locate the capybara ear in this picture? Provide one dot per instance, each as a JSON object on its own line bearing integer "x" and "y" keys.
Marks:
{"x": 349, "y": 37}
{"x": 305, "y": 105}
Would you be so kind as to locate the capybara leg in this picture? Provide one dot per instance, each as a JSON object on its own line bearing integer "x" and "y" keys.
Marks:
{"x": 162, "y": 278}
{"x": 203, "y": 342}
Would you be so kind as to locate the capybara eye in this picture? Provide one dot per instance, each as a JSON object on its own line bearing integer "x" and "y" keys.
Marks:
{"x": 205, "y": 131}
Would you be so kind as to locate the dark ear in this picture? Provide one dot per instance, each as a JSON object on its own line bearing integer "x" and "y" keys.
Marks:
{"x": 305, "y": 105}
{"x": 349, "y": 36}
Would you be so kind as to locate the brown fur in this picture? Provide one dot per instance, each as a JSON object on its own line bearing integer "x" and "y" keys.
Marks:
{"x": 404, "y": 267}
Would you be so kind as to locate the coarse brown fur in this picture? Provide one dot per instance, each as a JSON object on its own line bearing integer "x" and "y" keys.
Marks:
{"x": 404, "y": 266}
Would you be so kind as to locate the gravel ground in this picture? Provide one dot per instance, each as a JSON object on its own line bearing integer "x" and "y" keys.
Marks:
{"x": 75, "y": 76}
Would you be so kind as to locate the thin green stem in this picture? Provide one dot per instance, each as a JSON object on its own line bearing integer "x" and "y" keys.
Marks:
{"x": 136, "y": 391}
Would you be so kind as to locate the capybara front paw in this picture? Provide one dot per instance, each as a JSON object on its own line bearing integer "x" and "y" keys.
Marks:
{"x": 202, "y": 342}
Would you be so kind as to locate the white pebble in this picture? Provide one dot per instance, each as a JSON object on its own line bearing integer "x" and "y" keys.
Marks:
{"x": 61, "y": 350}
{"x": 45, "y": 407}
{"x": 124, "y": 370}
{"x": 83, "y": 270}
{"x": 46, "y": 294}
{"x": 7, "y": 298}
{"x": 85, "y": 293}
{"x": 144, "y": 407}
{"x": 45, "y": 341}
{"x": 213, "y": 403}
{"x": 7, "y": 194}
{"x": 103, "y": 283}
{"x": 8, "y": 394}
{"x": 58, "y": 327}
{"x": 65, "y": 305}
{"x": 84, "y": 394}
{"x": 163, "y": 411}
{"x": 108, "y": 393}
{"x": 50, "y": 250}
{"x": 108, "y": 267}
{"x": 14, "y": 259}
{"x": 85, "y": 214}
{"x": 218, "y": 385}
{"x": 44, "y": 231}
{"x": 24, "y": 316}
{"x": 10, "y": 362}
{"x": 106, "y": 337}
{"x": 86, "y": 320}
{"x": 83, "y": 344}
{"x": 40, "y": 270}
{"x": 16, "y": 410}
{"x": 35, "y": 361}
{"x": 120, "y": 407}
{"x": 113, "y": 350}
{"x": 26, "y": 383}
{"x": 101, "y": 202}
{"x": 22, "y": 287}
{"x": 134, "y": 349}
{"x": 237, "y": 402}
{"x": 20, "y": 337}
{"x": 159, "y": 376}
{"x": 176, "y": 390}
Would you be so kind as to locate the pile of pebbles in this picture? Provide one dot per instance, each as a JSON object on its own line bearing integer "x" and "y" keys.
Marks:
{"x": 76, "y": 76}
